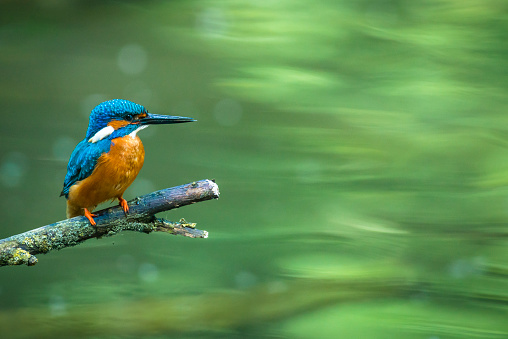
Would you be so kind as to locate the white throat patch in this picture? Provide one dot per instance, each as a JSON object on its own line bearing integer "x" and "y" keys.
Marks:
{"x": 133, "y": 133}
{"x": 103, "y": 133}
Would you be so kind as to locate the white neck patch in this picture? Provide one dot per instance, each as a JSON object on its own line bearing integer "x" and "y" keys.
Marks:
{"x": 103, "y": 133}
{"x": 133, "y": 133}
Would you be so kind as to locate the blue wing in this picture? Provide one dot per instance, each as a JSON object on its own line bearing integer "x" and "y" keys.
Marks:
{"x": 83, "y": 161}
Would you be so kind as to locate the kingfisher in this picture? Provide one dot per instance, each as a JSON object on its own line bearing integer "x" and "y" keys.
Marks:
{"x": 109, "y": 158}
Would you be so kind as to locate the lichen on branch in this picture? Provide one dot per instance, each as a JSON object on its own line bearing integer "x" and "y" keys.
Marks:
{"x": 21, "y": 249}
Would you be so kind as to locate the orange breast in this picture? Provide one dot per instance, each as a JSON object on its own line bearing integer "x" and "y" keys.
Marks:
{"x": 115, "y": 171}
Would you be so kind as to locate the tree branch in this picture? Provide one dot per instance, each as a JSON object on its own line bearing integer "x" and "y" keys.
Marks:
{"x": 21, "y": 248}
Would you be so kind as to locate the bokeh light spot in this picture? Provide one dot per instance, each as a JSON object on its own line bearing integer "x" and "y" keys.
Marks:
{"x": 228, "y": 112}
{"x": 13, "y": 169}
{"x": 132, "y": 59}
{"x": 245, "y": 280}
{"x": 57, "y": 306}
{"x": 148, "y": 272}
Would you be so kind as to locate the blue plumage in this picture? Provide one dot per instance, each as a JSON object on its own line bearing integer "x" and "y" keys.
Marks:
{"x": 83, "y": 161}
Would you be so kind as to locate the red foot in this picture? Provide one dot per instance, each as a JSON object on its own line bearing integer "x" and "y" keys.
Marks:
{"x": 124, "y": 204}
{"x": 90, "y": 216}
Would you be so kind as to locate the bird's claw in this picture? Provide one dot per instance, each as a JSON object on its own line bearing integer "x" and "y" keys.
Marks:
{"x": 124, "y": 204}
{"x": 90, "y": 216}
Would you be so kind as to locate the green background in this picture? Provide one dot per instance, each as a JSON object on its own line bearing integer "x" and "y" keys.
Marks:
{"x": 361, "y": 150}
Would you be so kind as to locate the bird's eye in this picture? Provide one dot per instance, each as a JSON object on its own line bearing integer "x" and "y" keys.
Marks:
{"x": 129, "y": 117}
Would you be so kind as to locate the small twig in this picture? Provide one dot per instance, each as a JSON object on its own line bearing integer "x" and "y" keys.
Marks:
{"x": 21, "y": 248}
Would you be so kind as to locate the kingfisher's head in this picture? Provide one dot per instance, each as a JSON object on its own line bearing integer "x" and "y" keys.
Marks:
{"x": 122, "y": 117}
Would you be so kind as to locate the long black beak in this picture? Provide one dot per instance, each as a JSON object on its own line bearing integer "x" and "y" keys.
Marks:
{"x": 158, "y": 119}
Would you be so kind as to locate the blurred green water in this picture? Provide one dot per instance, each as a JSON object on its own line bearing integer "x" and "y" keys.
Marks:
{"x": 359, "y": 147}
